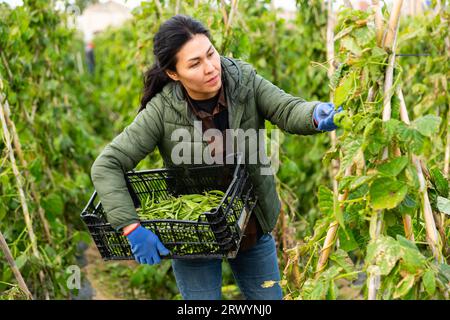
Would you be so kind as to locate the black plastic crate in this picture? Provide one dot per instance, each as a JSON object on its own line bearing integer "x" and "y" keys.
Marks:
{"x": 216, "y": 234}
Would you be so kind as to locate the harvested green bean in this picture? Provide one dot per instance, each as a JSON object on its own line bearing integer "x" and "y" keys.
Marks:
{"x": 185, "y": 207}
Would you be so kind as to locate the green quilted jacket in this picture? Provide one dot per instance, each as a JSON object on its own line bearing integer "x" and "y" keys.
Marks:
{"x": 251, "y": 99}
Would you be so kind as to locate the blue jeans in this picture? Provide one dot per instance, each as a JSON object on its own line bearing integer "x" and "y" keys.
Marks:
{"x": 201, "y": 279}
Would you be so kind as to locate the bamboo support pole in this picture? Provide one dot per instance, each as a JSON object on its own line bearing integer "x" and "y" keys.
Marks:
{"x": 330, "y": 238}
{"x": 19, "y": 184}
{"x": 378, "y": 21}
{"x": 224, "y": 12}
{"x": 407, "y": 220}
{"x": 334, "y": 226}
{"x": 24, "y": 164}
{"x": 430, "y": 225}
{"x": 389, "y": 43}
{"x": 230, "y": 15}
{"x": 159, "y": 8}
{"x": 391, "y": 31}
{"x": 331, "y": 22}
{"x": 9, "y": 258}
{"x": 6, "y": 65}
{"x": 447, "y": 148}
{"x": 227, "y": 19}
{"x": 327, "y": 246}
{"x": 348, "y": 4}
{"x": 283, "y": 238}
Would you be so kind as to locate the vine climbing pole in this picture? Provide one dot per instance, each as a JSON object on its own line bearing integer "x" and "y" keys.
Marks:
{"x": 432, "y": 235}
{"x": 333, "y": 227}
{"x": 20, "y": 187}
{"x": 389, "y": 44}
{"x": 386, "y": 38}
{"x": 9, "y": 258}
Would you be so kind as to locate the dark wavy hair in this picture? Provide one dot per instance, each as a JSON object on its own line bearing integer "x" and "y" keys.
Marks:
{"x": 169, "y": 39}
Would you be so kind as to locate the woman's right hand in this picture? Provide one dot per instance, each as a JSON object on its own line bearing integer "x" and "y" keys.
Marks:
{"x": 146, "y": 246}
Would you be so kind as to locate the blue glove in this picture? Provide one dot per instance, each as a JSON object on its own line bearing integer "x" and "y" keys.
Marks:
{"x": 145, "y": 246}
{"x": 323, "y": 115}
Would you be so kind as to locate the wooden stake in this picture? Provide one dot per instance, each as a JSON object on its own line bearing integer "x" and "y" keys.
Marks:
{"x": 407, "y": 220}
{"x": 331, "y": 22}
{"x": 378, "y": 22}
{"x": 327, "y": 246}
{"x": 224, "y": 12}
{"x": 430, "y": 225}
{"x": 234, "y": 4}
{"x": 159, "y": 8}
{"x": 391, "y": 31}
{"x": 348, "y": 4}
{"x": 24, "y": 165}
{"x": 447, "y": 148}
{"x": 390, "y": 42}
{"x": 23, "y": 201}
{"x": 332, "y": 231}
{"x": 15, "y": 270}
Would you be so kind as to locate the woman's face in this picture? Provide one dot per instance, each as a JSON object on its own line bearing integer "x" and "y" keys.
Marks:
{"x": 198, "y": 68}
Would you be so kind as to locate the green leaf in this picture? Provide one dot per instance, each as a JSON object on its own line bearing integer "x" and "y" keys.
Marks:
{"x": 429, "y": 282}
{"x": 406, "y": 243}
{"x": 350, "y": 44}
{"x": 443, "y": 205}
{"x": 408, "y": 205}
{"x": 377, "y": 52}
{"x": 341, "y": 258}
{"x": 343, "y": 33}
{"x": 372, "y": 139}
{"x": 344, "y": 89}
{"x": 319, "y": 291}
{"x": 390, "y": 128}
{"x": 347, "y": 241}
{"x": 343, "y": 120}
{"x": 393, "y": 167}
{"x": 444, "y": 269}
{"x": 36, "y": 169}
{"x": 21, "y": 260}
{"x": 363, "y": 36}
{"x": 411, "y": 138}
{"x": 326, "y": 203}
{"x": 2, "y": 212}
{"x": 384, "y": 252}
{"x": 404, "y": 286}
{"x": 427, "y": 125}
{"x": 359, "y": 181}
{"x": 412, "y": 260}
{"x": 440, "y": 182}
{"x": 350, "y": 151}
{"x": 387, "y": 193}
{"x": 53, "y": 204}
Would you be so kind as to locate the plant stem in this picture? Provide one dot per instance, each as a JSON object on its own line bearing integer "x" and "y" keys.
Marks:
{"x": 24, "y": 165}
{"x": 12, "y": 264}
{"x": 432, "y": 235}
{"x": 389, "y": 43}
{"x": 23, "y": 201}
{"x": 378, "y": 22}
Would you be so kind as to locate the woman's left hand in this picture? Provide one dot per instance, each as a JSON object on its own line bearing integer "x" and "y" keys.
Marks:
{"x": 323, "y": 116}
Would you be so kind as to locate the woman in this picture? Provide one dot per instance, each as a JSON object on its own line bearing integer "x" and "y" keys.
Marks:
{"x": 190, "y": 82}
